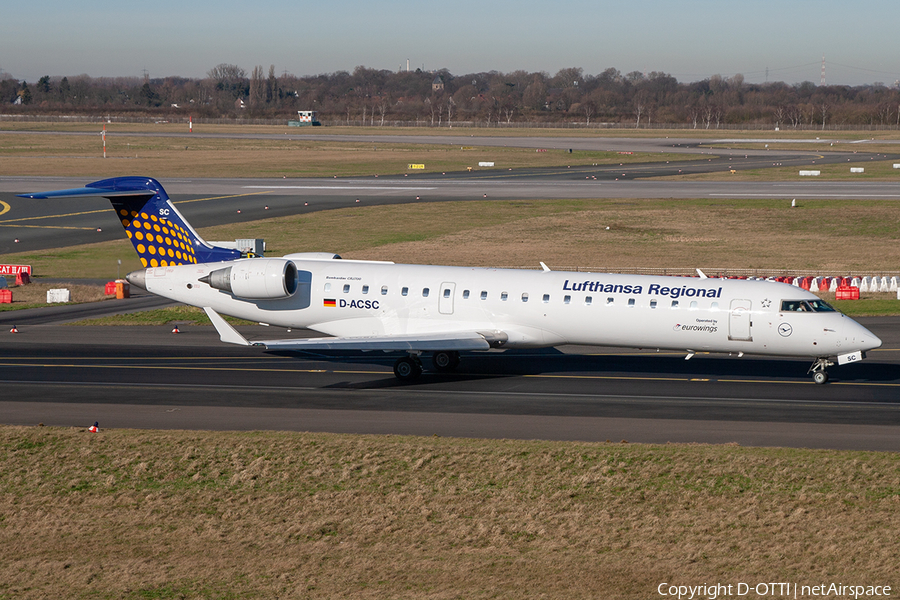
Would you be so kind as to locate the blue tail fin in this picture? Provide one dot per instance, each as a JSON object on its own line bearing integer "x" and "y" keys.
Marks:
{"x": 160, "y": 234}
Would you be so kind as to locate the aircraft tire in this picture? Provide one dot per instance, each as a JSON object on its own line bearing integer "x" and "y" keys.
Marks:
{"x": 820, "y": 377}
{"x": 407, "y": 369}
{"x": 445, "y": 361}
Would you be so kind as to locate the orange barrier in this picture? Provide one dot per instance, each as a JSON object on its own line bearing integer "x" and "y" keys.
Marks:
{"x": 5, "y": 296}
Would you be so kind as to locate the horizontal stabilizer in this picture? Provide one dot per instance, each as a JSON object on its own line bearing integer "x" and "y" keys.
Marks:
{"x": 160, "y": 234}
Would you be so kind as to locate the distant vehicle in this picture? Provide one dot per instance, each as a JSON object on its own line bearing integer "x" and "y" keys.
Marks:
{"x": 441, "y": 311}
{"x": 305, "y": 117}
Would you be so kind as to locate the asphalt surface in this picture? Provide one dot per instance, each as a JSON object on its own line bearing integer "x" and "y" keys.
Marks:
{"x": 147, "y": 377}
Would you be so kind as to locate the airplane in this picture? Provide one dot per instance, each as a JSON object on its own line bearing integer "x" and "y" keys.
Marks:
{"x": 445, "y": 310}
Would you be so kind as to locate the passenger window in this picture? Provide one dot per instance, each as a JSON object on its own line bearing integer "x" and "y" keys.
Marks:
{"x": 404, "y": 291}
{"x": 588, "y": 300}
{"x": 714, "y": 306}
{"x": 465, "y": 294}
{"x": 524, "y": 296}
{"x": 483, "y": 295}
{"x": 365, "y": 289}
{"x": 693, "y": 305}
{"x": 503, "y": 296}
{"x": 631, "y": 302}
{"x": 346, "y": 288}
{"x": 425, "y": 292}
{"x": 567, "y": 299}
{"x": 610, "y": 300}
{"x": 384, "y": 290}
{"x": 674, "y": 303}
{"x": 447, "y": 293}
{"x": 653, "y": 304}
{"x": 327, "y": 287}
{"x": 546, "y": 298}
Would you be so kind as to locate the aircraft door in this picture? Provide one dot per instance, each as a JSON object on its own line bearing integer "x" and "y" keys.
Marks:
{"x": 739, "y": 321}
{"x": 445, "y": 302}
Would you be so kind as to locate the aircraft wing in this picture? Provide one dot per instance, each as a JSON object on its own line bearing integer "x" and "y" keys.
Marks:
{"x": 428, "y": 342}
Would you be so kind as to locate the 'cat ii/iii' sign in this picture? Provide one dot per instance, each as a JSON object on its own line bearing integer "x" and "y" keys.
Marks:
{"x": 14, "y": 269}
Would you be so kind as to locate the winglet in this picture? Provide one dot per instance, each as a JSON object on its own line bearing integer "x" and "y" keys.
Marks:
{"x": 545, "y": 267}
{"x": 227, "y": 333}
{"x": 702, "y": 274}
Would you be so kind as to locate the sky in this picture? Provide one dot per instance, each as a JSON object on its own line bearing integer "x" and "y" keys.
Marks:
{"x": 764, "y": 40}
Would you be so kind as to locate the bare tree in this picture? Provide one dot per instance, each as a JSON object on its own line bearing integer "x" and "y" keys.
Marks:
{"x": 779, "y": 114}
{"x": 257, "y": 87}
{"x": 823, "y": 110}
{"x": 382, "y": 108}
{"x": 588, "y": 108}
{"x": 450, "y": 104}
{"x": 694, "y": 115}
{"x": 638, "y": 109}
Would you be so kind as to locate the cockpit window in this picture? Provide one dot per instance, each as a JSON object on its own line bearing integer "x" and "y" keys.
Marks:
{"x": 821, "y": 306}
{"x": 806, "y": 306}
{"x": 794, "y": 306}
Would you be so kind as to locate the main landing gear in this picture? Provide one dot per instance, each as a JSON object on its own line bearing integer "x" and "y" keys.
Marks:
{"x": 819, "y": 374}
{"x": 410, "y": 367}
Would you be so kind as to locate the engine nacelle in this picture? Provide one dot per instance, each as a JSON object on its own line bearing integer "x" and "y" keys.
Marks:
{"x": 256, "y": 279}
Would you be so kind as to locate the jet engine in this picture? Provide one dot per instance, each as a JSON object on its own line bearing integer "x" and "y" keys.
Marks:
{"x": 256, "y": 279}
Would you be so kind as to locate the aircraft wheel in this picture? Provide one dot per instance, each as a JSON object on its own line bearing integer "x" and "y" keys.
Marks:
{"x": 820, "y": 377}
{"x": 445, "y": 361}
{"x": 407, "y": 369}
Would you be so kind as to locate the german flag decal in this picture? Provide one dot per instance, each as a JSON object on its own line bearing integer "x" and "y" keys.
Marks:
{"x": 330, "y": 303}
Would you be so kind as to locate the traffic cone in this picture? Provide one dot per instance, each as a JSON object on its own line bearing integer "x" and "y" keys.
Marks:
{"x": 176, "y": 330}
{"x": 14, "y": 329}
{"x": 94, "y": 428}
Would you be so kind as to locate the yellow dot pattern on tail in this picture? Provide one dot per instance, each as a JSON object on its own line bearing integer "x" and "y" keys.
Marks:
{"x": 158, "y": 241}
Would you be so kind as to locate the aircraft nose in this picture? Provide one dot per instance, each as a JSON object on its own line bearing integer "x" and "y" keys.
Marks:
{"x": 862, "y": 338}
{"x": 137, "y": 278}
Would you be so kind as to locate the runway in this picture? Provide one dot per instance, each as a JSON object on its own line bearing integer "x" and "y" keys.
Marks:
{"x": 146, "y": 377}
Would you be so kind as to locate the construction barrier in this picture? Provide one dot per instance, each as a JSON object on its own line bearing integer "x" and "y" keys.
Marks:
{"x": 123, "y": 289}
{"x": 59, "y": 295}
{"x": 847, "y": 293}
{"x": 110, "y": 289}
{"x": 23, "y": 278}
{"x": 5, "y": 296}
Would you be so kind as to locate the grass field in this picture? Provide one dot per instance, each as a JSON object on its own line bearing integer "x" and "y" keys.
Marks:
{"x": 143, "y": 514}
{"x": 713, "y": 235}
{"x": 77, "y": 155}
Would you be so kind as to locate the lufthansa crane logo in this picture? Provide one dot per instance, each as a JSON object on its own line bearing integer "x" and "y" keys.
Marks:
{"x": 785, "y": 329}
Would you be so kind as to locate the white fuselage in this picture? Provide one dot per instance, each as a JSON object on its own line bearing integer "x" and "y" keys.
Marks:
{"x": 535, "y": 308}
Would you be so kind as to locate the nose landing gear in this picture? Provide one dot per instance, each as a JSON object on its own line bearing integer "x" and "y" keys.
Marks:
{"x": 819, "y": 374}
